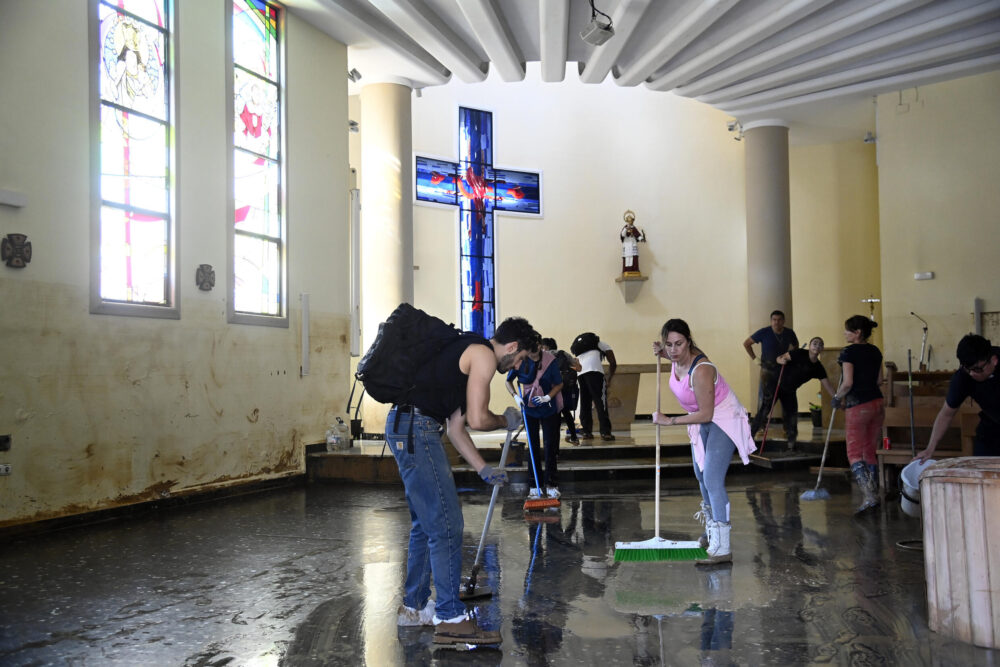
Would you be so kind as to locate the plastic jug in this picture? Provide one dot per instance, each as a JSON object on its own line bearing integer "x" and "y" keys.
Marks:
{"x": 338, "y": 436}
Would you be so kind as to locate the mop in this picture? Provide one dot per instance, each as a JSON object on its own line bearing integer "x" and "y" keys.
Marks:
{"x": 758, "y": 457}
{"x": 818, "y": 493}
{"x": 470, "y": 590}
{"x": 658, "y": 548}
{"x": 534, "y": 504}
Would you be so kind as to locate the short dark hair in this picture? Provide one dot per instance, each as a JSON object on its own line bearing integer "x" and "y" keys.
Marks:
{"x": 860, "y": 323}
{"x": 972, "y": 349}
{"x": 520, "y": 330}
{"x": 550, "y": 343}
{"x": 777, "y": 312}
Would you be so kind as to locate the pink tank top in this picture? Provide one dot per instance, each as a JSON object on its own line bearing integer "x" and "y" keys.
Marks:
{"x": 685, "y": 392}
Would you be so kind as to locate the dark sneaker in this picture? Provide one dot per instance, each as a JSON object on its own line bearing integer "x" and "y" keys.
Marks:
{"x": 607, "y": 437}
{"x": 586, "y": 436}
{"x": 464, "y": 632}
{"x": 572, "y": 439}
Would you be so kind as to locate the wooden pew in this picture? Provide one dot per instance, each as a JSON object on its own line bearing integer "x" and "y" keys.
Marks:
{"x": 929, "y": 390}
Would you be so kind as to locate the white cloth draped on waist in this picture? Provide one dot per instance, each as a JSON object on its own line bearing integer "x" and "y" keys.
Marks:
{"x": 731, "y": 417}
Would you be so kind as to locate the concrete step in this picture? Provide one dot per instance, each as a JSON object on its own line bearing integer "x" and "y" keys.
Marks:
{"x": 630, "y": 456}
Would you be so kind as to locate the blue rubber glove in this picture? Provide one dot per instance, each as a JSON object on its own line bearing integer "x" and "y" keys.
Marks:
{"x": 540, "y": 400}
{"x": 493, "y": 476}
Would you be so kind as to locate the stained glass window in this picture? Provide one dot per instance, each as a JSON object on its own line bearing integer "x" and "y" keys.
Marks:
{"x": 258, "y": 268}
{"x": 136, "y": 254}
{"x": 478, "y": 189}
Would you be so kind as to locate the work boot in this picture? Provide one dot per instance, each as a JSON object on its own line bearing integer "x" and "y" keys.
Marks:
{"x": 586, "y": 436}
{"x": 464, "y": 631}
{"x": 535, "y": 493}
{"x": 552, "y": 492}
{"x": 718, "y": 544}
{"x": 703, "y": 516}
{"x": 866, "y": 483}
{"x": 410, "y": 617}
{"x": 607, "y": 437}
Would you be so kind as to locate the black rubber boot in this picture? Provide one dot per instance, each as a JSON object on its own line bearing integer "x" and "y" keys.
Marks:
{"x": 866, "y": 482}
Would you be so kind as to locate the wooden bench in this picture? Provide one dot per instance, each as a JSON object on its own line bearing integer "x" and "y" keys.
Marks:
{"x": 929, "y": 390}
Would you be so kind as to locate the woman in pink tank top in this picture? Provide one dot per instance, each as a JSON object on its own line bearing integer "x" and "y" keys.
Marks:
{"x": 717, "y": 425}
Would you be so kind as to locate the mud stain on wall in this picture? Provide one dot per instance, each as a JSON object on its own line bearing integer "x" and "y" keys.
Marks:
{"x": 112, "y": 411}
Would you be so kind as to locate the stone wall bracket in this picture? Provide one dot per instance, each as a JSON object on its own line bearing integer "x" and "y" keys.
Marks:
{"x": 630, "y": 285}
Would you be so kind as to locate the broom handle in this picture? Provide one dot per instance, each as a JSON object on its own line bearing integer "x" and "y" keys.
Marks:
{"x": 657, "y": 508}
{"x": 909, "y": 382}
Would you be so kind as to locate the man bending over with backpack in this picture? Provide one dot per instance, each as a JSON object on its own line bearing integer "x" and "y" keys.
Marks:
{"x": 452, "y": 391}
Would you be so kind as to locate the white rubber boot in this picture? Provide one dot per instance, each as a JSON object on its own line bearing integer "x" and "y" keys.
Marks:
{"x": 718, "y": 547}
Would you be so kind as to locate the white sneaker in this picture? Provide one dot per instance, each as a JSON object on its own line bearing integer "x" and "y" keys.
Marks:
{"x": 535, "y": 493}
{"x": 409, "y": 617}
{"x": 552, "y": 492}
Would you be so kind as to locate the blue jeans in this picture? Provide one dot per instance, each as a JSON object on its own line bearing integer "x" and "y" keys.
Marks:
{"x": 712, "y": 480}
{"x": 435, "y": 514}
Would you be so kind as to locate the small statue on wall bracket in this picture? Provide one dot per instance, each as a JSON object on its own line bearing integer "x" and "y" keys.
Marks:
{"x": 204, "y": 277}
{"x": 15, "y": 250}
{"x": 631, "y": 236}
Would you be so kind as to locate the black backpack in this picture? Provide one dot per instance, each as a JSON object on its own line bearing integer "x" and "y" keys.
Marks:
{"x": 585, "y": 342}
{"x": 407, "y": 340}
{"x": 566, "y": 370}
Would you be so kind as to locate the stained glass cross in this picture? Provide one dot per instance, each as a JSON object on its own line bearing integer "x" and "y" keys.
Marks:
{"x": 479, "y": 190}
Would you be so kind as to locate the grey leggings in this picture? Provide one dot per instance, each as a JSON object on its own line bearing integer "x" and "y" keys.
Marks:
{"x": 712, "y": 480}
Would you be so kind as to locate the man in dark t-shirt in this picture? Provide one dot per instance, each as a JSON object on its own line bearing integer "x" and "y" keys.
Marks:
{"x": 979, "y": 380}
{"x": 774, "y": 340}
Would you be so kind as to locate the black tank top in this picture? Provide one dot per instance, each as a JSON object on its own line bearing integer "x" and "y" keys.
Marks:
{"x": 440, "y": 384}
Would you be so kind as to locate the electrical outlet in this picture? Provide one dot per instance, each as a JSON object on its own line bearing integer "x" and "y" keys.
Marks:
{"x": 4, "y": 468}
{"x": 5, "y": 442}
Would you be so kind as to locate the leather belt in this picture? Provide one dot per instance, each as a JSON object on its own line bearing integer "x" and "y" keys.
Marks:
{"x": 414, "y": 410}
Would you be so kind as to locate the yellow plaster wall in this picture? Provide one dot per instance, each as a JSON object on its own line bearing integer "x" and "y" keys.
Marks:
{"x": 601, "y": 149}
{"x": 939, "y": 206}
{"x": 108, "y": 410}
{"x": 835, "y": 242}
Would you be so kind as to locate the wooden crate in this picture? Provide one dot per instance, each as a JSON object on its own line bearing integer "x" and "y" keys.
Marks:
{"x": 959, "y": 500}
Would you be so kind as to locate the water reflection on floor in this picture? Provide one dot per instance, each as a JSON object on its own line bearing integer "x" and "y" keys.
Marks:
{"x": 312, "y": 576}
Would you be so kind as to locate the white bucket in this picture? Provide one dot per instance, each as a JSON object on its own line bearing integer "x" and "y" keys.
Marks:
{"x": 909, "y": 496}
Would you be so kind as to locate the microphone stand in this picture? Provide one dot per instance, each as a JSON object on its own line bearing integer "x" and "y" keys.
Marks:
{"x": 923, "y": 342}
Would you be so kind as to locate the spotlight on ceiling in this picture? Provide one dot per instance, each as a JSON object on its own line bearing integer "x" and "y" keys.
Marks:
{"x": 737, "y": 127}
{"x": 599, "y": 30}
{"x": 354, "y": 75}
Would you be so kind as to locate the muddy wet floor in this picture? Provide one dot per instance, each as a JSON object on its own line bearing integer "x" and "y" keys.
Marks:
{"x": 312, "y": 575}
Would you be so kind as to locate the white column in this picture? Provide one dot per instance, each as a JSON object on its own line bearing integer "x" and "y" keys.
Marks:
{"x": 386, "y": 214}
{"x": 769, "y": 249}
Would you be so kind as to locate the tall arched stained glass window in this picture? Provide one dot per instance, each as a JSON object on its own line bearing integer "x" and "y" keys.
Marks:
{"x": 134, "y": 239}
{"x": 257, "y": 239}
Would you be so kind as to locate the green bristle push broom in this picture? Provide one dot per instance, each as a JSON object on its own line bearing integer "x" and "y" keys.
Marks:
{"x": 657, "y": 548}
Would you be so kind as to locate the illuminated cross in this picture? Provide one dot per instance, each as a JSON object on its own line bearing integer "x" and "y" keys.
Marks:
{"x": 478, "y": 189}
